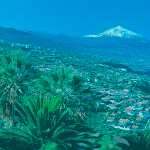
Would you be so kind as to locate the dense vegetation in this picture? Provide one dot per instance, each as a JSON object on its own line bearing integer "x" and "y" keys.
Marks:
{"x": 50, "y": 110}
{"x": 36, "y": 108}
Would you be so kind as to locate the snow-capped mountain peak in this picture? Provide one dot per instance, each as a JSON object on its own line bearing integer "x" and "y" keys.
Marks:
{"x": 117, "y": 32}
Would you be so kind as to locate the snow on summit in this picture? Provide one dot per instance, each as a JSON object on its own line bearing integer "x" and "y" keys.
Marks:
{"x": 117, "y": 32}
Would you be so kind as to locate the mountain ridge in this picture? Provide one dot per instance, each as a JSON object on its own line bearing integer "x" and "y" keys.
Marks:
{"x": 17, "y": 36}
{"x": 118, "y": 31}
{"x": 132, "y": 52}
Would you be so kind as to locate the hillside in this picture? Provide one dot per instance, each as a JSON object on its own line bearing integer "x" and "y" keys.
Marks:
{"x": 132, "y": 52}
{"x": 16, "y": 36}
{"x": 117, "y": 93}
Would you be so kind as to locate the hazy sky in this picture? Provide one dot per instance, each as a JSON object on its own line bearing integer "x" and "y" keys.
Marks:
{"x": 76, "y": 17}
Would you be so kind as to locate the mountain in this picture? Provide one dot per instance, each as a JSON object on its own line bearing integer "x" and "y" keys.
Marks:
{"x": 117, "y": 44}
{"x": 16, "y": 36}
{"x": 114, "y": 38}
{"x": 117, "y": 37}
{"x": 117, "y": 32}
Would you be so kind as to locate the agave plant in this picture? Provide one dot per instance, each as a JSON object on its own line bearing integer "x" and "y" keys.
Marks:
{"x": 43, "y": 124}
{"x": 15, "y": 74}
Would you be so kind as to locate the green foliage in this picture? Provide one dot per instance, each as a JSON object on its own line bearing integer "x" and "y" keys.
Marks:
{"x": 42, "y": 122}
{"x": 15, "y": 75}
{"x": 108, "y": 144}
{"x": 71, "y": 85}
{"x": 46, "y": 121}
{"x": 50, "y": 146}
{"x": 64, "y": 81}
{"x": 139, "y": 140}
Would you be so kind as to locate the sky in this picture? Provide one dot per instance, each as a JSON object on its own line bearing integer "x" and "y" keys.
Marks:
{"x": 76, "y": 17}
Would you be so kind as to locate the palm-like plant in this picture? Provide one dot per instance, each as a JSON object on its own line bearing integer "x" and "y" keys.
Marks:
{"x": 15, "y": 74}
{"x": 64, "y": 81}
{"x": 68, "y": 83}
{"x": 43, "y": 124}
